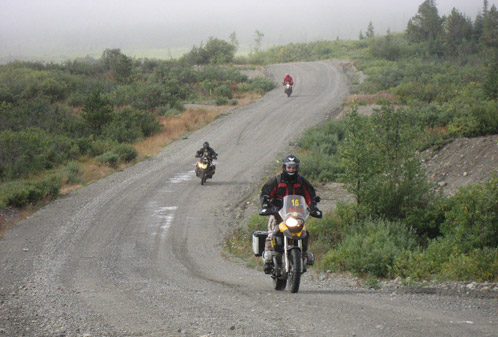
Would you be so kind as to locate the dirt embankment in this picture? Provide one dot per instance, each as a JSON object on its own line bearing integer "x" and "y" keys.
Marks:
{"x": 465, "y": 161}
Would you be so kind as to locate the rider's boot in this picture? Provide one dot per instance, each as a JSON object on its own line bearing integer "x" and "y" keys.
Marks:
{"x": 310, "y": 258}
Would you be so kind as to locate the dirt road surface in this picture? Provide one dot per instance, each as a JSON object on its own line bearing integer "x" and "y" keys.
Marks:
{"x": 139, "y": 253}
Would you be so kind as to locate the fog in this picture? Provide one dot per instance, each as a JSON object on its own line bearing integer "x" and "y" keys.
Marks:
{"x": 60, "y": 29}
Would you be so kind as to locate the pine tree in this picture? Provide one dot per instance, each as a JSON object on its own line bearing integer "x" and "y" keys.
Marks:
{"x": 457, "y": 30}
{"x": 370, "y": 31}
{"x": 426, "y": 25}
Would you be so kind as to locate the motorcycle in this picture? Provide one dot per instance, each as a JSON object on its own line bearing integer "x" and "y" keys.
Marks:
{"x": 204, "y": 168}
{"x": 290, "y": 244}
{"x": 288, "y": 88}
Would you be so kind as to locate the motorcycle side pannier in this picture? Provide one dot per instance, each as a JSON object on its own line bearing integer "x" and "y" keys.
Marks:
{"x": 258, "y": 242}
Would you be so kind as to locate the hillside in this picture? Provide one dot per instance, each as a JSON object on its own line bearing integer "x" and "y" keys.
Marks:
{"x": 462, "y": 162}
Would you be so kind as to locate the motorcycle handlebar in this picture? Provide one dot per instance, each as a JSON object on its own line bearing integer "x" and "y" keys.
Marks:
{"x": 268, "y": 211}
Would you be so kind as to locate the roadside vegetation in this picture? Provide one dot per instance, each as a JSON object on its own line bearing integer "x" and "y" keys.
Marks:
{"x": 65, "y": 125}
{"x": 433, "y": 83}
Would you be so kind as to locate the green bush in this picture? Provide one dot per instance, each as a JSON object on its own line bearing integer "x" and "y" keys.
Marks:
{"x": 99, "y": 146}
{"x": 325, "y": 234}
{"x": 221, "y": 101}
{"x": 129, "y": 125}
{"x": 318, "y": 151}
{"x": 109, "y": 158}
{"x": 371, "y": 249}
{"x": 24, "y": 152}
{"x": 84, "y": 145}
{"x": 320, "y": 166}
{"x": 424, "y": 264}
{"x": 125, "y": 152}
{"x": 261, "y": 84}
{"x": 472, "y": 216}
{"x": 243, "y": 88}
{"x": 224, "y": 90}
{"x": 177, "y": 105}
{"x": 478, "y": 265}
{"x": 73, "y": 172}
{"x": 13, "y": 194}
{"x": 19, "y": 194}
{"x": 444, "y": 260}
{"x": 47, "y": 187}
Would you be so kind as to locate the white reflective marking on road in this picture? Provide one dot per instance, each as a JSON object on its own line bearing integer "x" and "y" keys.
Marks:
{"x": 181, "y": 177}
{"x": 167, "y": 208}
{"x": 162, "y": 218}
{"x": 168, "y": 220}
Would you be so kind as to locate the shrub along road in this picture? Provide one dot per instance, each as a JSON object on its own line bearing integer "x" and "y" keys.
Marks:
{"x": 139, "y": 252}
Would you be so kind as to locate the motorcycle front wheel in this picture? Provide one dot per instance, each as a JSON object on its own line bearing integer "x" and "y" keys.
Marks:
{"x": 294, "y": 277}
{"x": 203, "y": 178}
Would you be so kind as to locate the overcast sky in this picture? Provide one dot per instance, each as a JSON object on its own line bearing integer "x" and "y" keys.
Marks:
{"x": 71, "y": 28}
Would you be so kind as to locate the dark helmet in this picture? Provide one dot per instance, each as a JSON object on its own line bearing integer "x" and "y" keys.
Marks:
{"x": 292, "y": 161}
{"x": 205, "y": 145}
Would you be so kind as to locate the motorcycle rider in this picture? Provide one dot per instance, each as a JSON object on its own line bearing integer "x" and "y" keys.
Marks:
{"x": 211, "y": 154}
{"x": 206, "y": 148}
{"x": 289, "y": 79}
{"x": 287, "y": 183}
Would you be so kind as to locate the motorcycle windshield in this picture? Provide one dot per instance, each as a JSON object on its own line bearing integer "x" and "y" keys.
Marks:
{"x": 295, "y": 206}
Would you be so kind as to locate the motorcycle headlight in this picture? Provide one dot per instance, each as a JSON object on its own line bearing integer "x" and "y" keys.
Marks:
{"x": 293, "y": 222}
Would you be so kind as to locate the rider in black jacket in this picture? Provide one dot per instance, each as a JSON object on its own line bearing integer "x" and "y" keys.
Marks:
{"x": 287, "y": 183}
{"x": 206, "y": 148}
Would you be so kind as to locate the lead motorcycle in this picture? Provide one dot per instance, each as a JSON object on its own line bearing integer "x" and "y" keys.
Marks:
{"x": 288, "y": 88}
{"x": 205, "y": 169}
{"x": 290, "y": 244}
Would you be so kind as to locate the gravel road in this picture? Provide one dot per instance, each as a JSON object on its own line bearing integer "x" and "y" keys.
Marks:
{"x": 139, "y": 253}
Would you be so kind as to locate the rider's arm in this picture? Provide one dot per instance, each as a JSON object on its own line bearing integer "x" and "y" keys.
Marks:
{"x": 268, "y": 189}
{"x": 311, "y": 199}
{"x": 309, "y": 192}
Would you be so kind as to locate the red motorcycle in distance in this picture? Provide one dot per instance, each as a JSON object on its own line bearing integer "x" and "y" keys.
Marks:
{"x": 288, "y": 88}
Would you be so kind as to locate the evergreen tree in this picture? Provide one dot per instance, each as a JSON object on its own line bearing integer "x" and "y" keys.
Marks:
{"x": 370, "y": 30}
{"x": 490, "y": 84}
{"x": 219, "y": 51}
{"x": 258, "y": 38}
{"x": 477, "y": 28}
{"x": 234, "y": 41}
{"x": 118, "y": 64}
{"x": 97, "y": 111}
{"x": 426, "y": 24}
{"x": 457, "y": 30}
{"x": 490, "y": 28}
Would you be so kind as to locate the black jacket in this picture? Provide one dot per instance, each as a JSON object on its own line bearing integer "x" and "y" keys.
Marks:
{"x": 283, "y": 184}
{"x": 211, "y": 153}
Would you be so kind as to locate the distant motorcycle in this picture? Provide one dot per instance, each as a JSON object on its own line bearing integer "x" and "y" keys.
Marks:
{"x": 290, "y": 244}
{"x": 205, "y": 169}
{"x": 288, "y": 88}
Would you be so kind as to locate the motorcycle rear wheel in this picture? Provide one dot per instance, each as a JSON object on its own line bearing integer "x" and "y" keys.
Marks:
{"x": 294, "y": 277}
